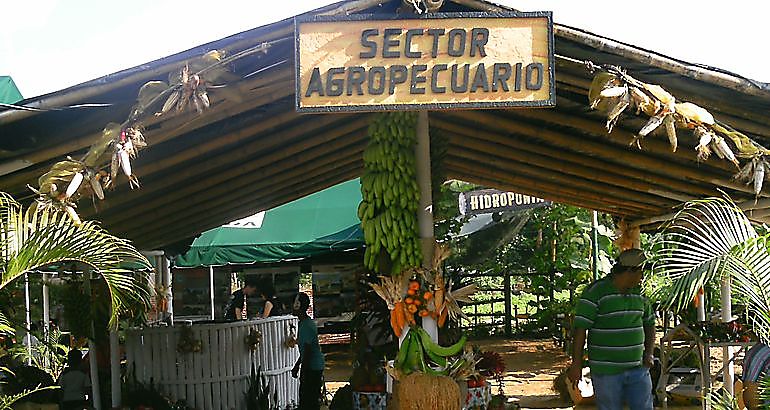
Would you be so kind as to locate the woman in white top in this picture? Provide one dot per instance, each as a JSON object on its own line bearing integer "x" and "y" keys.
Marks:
{"x": 74, "y": 383}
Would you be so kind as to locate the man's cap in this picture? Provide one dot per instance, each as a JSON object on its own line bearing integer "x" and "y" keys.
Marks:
{"x": 631, "y": 259}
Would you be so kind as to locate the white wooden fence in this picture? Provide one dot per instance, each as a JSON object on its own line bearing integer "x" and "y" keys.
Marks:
{"x": 216, "y": 377}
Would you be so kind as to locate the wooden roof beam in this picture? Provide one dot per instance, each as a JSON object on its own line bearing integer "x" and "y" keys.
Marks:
{"x": 307, "y": 187}
{"x": 265, "y": 179}
{"x": 609, "y": 151}
{"x": 203, "y": 175}
{"x": 668, "y": 188}
{"x": 464, "y": 172}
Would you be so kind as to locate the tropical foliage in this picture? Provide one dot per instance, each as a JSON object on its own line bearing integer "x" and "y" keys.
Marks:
{"x": 40, "y": 236}
{"x": 707, "y": 242}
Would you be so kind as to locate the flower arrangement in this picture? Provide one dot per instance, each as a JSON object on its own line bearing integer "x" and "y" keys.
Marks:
{"x": 187, "y": 341}
{"x": 253, "y": 339}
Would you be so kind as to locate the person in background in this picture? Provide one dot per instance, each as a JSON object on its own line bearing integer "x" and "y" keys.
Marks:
{"x": 621, "y": 336}
{"x": 310, "y": 364}
{"x": 273, "y": 306}
{"x": 236, "y": 308}
{"x": 756, "y": 366}
{"x": 74, "y": 383}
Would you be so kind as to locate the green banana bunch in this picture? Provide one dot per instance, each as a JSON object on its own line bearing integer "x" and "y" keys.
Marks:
{"x": 390, "y": 195}
{"x": 411, "y": 357}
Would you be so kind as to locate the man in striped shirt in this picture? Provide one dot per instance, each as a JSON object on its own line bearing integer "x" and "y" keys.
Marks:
{"x": 621, "y": 335}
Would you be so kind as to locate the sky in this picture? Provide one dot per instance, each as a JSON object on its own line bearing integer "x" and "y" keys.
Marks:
{"x": 48, "y": 45}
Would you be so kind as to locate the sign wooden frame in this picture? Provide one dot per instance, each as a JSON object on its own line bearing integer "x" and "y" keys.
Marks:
{"x": 551, "y": 86}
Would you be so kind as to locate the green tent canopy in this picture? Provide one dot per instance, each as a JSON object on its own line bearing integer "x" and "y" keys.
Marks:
{"x": 9, "y": 94}
{"x": 323, "y": 222}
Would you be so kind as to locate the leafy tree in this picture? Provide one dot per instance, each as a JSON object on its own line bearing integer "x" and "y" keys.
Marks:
{"x": 41, "y": 236}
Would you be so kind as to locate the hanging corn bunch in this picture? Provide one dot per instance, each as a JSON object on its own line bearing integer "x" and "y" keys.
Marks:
{"x": 112, "y": 154}
{"x": 390, "y": 193}
{"x": 613, "y": 91}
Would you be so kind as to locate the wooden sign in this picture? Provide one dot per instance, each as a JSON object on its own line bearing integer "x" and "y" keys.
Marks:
{"x": 439, "y": 61}
{"x": 487, "y": 201}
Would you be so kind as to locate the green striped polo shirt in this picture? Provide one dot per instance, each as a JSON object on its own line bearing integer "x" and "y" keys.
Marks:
{"x": 615, "y": 323}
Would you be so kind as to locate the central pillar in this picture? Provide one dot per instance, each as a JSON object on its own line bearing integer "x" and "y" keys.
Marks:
{"x": 425, "y": 209}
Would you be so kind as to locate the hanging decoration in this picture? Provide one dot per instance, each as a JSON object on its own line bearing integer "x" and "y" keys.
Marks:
{"x": 187, "y": 341}
{"x": 388, "y": 210}
{"x": 253, "y": 339}
{"x": 614, "y": 91}
{"x": 110, "y": 157}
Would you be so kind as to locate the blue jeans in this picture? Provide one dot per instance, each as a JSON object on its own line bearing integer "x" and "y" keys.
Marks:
{"x": 633, "y": 387}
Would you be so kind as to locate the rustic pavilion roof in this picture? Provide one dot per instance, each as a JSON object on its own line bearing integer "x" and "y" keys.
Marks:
{"x": 251, "y": 151}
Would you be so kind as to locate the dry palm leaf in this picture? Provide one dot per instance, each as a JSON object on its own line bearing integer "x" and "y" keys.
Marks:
{"x": 391, "y": 289}
{"x": 452, "y": 298}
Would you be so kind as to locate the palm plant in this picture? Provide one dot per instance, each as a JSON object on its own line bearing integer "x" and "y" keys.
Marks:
{"x": 708, "y": 241}
{"x": 40, "y": 236}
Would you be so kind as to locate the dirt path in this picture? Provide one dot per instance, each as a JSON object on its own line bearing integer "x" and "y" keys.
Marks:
{"x": 531, "y": 367}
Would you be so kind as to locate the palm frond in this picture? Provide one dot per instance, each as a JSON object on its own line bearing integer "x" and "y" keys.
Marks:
{"x": 41, "y": 236}
{"x": 698, "y": 247}
{"x": 722, "y": 400}
{"x": 711, "y": 240}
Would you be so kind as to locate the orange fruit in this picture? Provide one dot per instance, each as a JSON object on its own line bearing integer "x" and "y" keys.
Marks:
{"x": 424, "y": 313}
{"x": 408, "y": 301}
{"x": 411, "y": 292}
{"x": 414, "y": 285}
{"x": 427, "y": 295}
{"x": 411, "y": 308}
{"x": 417, "y": 302}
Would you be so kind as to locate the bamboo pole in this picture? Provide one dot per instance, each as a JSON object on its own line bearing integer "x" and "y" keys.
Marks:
{"x": 248, "y": 208}
{"x": 425, "y": 208}
{"x": 248, "y": 203}
{"x": 458, "y": 168}
{"x": 277, "y": 161}
{"x": 457, "y": 173}
{"x": 93, "y": 88}
{"x": 163, "y": 129}
{"x": 657, "y": 60}
{"x": 267, "y": 179}
{"x": 621, "y": 136}
{"x": 742, "y": 119}
{"x": 517, "y": 154}
{"x": 635, "y": 159}
{"x": 203, "y": 175}
{"x": 255, "y": 188}
{"x": 617, "y": 194}
{"x": 661, "y": 185}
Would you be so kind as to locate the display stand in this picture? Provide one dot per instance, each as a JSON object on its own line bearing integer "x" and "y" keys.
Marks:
{"x": 687, "y": 382}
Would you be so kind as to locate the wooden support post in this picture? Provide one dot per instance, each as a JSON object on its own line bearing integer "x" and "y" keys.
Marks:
{"x": 516, "y": 316}
{"x": 425, "y": 210}
{"x": 507, "y": 296}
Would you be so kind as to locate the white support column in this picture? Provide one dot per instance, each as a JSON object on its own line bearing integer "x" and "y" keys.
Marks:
{"x": 211, "y": 290}
{"x": 46, "y": 304}
{"x": 425, "y": 210}
{"x": 727, "y": 351}
{"x": 701, "y": 309}
{"x": 28, "y": 318}
{"x": 115, "y": 370}
{"x": 96, "y": 397}
{"x": 168, "y": 281}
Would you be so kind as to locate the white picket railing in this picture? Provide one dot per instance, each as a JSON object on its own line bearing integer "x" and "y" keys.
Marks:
{"x": 216, "y": 377}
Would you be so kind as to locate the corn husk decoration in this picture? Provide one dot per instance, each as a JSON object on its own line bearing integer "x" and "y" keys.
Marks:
{"x": 68, "y": 180}
{"x": 614, "y": 91}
